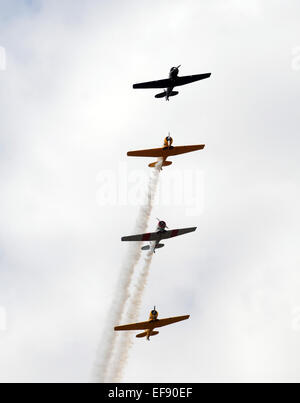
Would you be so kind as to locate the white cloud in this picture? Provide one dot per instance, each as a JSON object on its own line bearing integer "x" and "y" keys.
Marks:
{"x": 68, "y": 113}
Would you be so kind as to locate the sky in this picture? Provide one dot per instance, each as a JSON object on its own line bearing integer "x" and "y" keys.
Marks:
{"x": 68, "y": 192}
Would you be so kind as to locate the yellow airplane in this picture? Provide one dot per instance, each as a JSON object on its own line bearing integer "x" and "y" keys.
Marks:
{"x": 151, "y": 324}
{"x": 167, "y": 151}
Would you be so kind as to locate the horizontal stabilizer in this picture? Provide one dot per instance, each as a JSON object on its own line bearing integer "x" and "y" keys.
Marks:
{"x": 141, "y": 335}
{"x": 161, "y": 95}
{"x": 164, "y": 94}
{"x": 148, "y": 247}
{"x": 154, "y": 333}
{"x": 165, "y": 164}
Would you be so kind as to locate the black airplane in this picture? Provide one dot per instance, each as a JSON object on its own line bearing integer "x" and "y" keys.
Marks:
{"x": 171, "y": 82}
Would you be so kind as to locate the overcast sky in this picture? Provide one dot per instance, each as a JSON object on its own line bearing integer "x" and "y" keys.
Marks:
{"x": 68, "y": 191}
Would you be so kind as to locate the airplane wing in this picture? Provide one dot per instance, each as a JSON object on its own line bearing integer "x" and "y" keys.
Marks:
{"x": 184, "y": 149}
{"x": 154, "y": 84}
{"x": 154, "y": 152}
{"x": 134, "y": 326}
{"x": 170, "y": 83}
{"x": 155, "y": 236}
{"x": 149, "y": 325}
{"x": 170, "y": 321}
{"x": 165, "y": 152}
{"x": 176, "y": 232}
{"x": 152, "y": 236}
{"x": 191, "y": 79}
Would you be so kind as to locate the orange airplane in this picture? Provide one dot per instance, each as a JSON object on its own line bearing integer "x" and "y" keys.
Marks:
{"x": 151, "y": 324}
{"x": 167, "y": 151}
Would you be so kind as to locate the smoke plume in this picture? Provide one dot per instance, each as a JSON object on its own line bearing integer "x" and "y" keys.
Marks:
{"x": 132, "y": 316}
{"x": 122, "y": 290}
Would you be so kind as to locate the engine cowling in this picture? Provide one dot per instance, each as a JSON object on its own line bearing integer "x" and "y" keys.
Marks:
{"x": 168, "y": 141}
{"x": 162, "y": 224}
{"x": 153, "y": 314}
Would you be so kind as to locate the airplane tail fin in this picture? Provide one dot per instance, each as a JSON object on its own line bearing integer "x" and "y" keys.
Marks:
{"x": 164, "y": 94}
{"x": 165, "y": 164}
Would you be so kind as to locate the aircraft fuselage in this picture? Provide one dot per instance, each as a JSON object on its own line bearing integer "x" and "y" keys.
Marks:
{"x": 172, "y": 76}
{"x": 161, "y": 228}
{"x": 169, "y": 91}
{"x": 152, "y": 319}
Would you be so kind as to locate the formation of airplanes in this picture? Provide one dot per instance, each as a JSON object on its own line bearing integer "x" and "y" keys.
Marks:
{"x": 162, "y": 231}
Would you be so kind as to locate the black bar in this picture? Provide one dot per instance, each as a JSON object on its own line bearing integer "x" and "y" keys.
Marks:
{"x": 149, "y": 391}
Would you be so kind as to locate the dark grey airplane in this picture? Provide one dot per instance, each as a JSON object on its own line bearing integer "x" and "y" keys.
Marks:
{"x": 171, "y": 82}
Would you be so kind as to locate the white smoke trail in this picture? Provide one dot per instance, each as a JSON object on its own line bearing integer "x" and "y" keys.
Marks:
{"x": 108, "y": 341}
{"x": 132, "y": 315}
